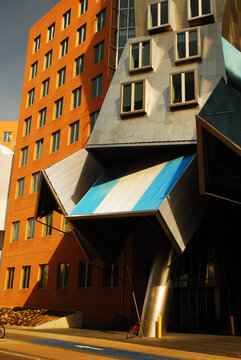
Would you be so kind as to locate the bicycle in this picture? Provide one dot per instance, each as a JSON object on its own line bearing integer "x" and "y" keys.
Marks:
{"x": 2, "y": 331}
{"x": 134, "y": 330}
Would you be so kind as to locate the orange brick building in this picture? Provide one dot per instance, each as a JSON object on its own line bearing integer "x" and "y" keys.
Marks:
{"x": 70, "y": 61}
{"x": 8, "y": 133}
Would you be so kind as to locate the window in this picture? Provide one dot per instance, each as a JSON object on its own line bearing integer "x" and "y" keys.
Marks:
{"x": 158, "y": 18}
{"x": 58, "y": 108}
{"x": 10, "y": 278}
{"x": 66, "y": 19}
{"x": 62, "y": 278}
{"x": 48, "y": 220}
{"x": 55, "y": 141}
{"x": 133, "y": 98}
{"x": 99, "y": 52}
{"x": 85, "y": 272}
{"x": 140, "y": 56}
{"x": 38, "y": 149}
{"x": 37, "y": 43}
{"x": 30, "y": 228}
{"x": 7, "y": 136}
{"x": 93, "y": 118}
{"x": 26, "y": 277}
{"x": 79, "y": 65}
{"x": 42, "y": 117}
{"x": 34, "y": 69}
{"x": 48, "y": 59}
{"x": 74, "y": 132}
{"x": 81, "y": 34}
{"x": 51, "y": 29}
{"x": 183, "y": 88}
{"x": 35, "y": 181}
{"x": 97, "y": 86}
{"x": 31, "y": 97}
{"x": 200, "y": 10}
{"x": 20, "y": 187}
{"x": 188, "y": 45}
{"x": 111, "y": 275}
{"x": 27, "y": 125}
{"x": 64, "y": 47}
{"x": 65, "y": 226}
{"x": 77, "y": 97}
{"x": 24, "y": 156}
{"x": 126, "y": 23}
{"x": 100, "y": 20}
{"x": 43, "y": 276}
{"x": 45, "y": 85}
{"x": 15, "y": 231}
{"x": 83, "y": 6}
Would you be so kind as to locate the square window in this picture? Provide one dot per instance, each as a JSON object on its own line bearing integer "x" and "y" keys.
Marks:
{"x": 48, "y": 221}
{"x": 31, "y": 97}
{"x": 77, "y": 97}
{"x": 38, "y": 149}
{"x": 79, "y": 65}
{"x": 27, "y": 125}
{"x": 133, "y": 99}
{"x": 15, "y": 231}
{"x": 35, "y": 181}
{"x": 93, "y": 118}
{"x": 20, "y": 187}
{"x": 37, "y": 43}
{"x": 48, "y": 59}
{"x": 83, "y": 6}
{"x": 111, "y": 275}
{"x": 45, "y": 87}
{"x": 7, "y": 136}
{"x": 61, "y": 76}
{"x": 30, "y": 228}
{"x": 74, "y": 132}
{"x": 55, "y": 141}
{"x": 99, "y": 52}
{"x": 85, "y": 274}
{"x": 158, "y": 16}
{"x": 81, "y": 32}
{"x": 62, "y": 275}
{"x": 34, "y": 69}
{"x": 97, "y": 86}
{"x": 24, "y": 156}
{"x": 10, "y": 278}
{"x": 140, "y": 56}
{"x": 25, "y": 277}
{"x": 42, "y": 117}
{"x": 51, "y": 30}
{"x": 100, "y": 20}
{"x": 188, "y": 45}
{"x": 58, "y": 108}
{"x": 200, "y": 11}
{"x": 43, "y": 276}
{"x": 66, "y": 19}
{"x": 64, "y": 47}
{"x": 183, "y": 89}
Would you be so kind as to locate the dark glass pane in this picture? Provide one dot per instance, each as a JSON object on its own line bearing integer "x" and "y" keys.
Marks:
{"x": 206, "y": 9}
{"x": 193, "y": 49}
{"x": 123, "y": 4}
{"x": 176, "y": 89}
{"x": 131, "y": 3}
{"x": 135, "y": 56}
{"x": 164, "y": 12}
{"x": 189, "y": 86}
{"x": 127, "y": 98}
{"x": 131, "y": 17}
{"x": 181, "y": 46}
{"x": 153, "y": 15}
{"x": 123, "y": 18}
{"x": 138, "y": 96}
{"x": 146, "y": 53}
{"x": 122, "y": 37}
{"x": 131, "y": 33}
{"x": 194, "y": 8}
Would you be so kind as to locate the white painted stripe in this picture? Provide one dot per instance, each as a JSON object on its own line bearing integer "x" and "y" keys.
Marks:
{"x": 129, "y": 190}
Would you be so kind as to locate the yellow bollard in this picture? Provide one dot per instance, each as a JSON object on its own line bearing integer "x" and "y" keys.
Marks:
{"x": 159, "y": 335}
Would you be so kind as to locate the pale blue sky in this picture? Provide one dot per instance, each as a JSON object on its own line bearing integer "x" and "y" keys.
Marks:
{"x": 16, "y": 18}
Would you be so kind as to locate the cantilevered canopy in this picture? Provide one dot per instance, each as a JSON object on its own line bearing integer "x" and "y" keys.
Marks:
{"x": 219, "y": 143}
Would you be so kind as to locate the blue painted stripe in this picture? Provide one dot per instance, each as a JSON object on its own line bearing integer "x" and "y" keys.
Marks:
{"x": 100, "y": 350}
{"x": 162, "y": 184}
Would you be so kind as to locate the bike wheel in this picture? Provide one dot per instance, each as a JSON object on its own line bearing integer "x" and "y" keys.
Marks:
{"x": 2, "y": 331}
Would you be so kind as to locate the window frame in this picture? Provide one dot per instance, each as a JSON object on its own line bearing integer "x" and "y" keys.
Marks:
{"x": 101, "y": 20}
{"x": 43, "y": 276}
{"x": 35, "y": 182}
{"x": 34, "y": 70}
{"x": 55, "y": 141}
{"x": 20, "y": 188}
{"x": 183, "y": 103}
{"x": 38, "y": 149}
{"x": 66, "y": 19}
{"x": 27, "y": 125}
{"x": 42, "y": 117}
{"x": 98, "y": 88}
{"x": 62, "y": 279}
{"x": 133, "y": 112}
{"x": 61, "y": 76}
{"x": 200, "y": 19}
{"x": 84, "y": 274}
{"x": 77, "y": 95}
{"x": 140, "y": 68}
{"x": 64, "y": 47}
{"x": 83, "y": 6}
{"x": 93, "y": 117}
{"x": 48, "y": 223}
{"x": 31, "y": 96}
{"x": 59, "y": 107}
{"x": 26, "y": 270}
{"x": 48, "y": 59}
{"x": 10, "y": 278}
{"x": 30, "y": 228}
{"x": 45, "y": 87}
{"x": 74, "y": 132}
{"x": 15, "y": 231}
{"x": 51, "y": 31}
{"x": 36, "y": 46}
{"x": 193, "y": 57}
{"x": 99, "y": 51}
{"x": 159, "y": 27}
{"x": 79, "y": 64}
{"x": 7, "y": 137}
{"x": 81, "y": 34}
{"x": 24, "y": 156}
{"x": 111, "y": 271}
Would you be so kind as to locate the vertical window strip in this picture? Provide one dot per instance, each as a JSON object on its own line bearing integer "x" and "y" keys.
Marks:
{"x": 31, "y": 227}
{"x": 10, "y": 277}
{"x": 15, "y": 234}
{"x": 74, "y": 132}
{"x": 20, "y": 188}
{"x": 36, "y": 177}
{"x": 79, "y": 65}
{"x": 42, "y": 117}
{"x": 77, "y": 97}
{"x": 43, "y": 276}
{"x": 63, "y": 272}
{"x": 26, "y": 277}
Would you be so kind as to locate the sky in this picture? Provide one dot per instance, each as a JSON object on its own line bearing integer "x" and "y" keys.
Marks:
{"x": 16, "y": 18}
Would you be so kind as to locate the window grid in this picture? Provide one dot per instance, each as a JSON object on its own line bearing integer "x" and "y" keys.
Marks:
{"x": 34, "y": 68}
{"x": 58, "y": 108}
{"x": 39, "y": 149}
{"x": 99, "y": 52}
{"x": 20, "y": 188}
{"x": 10, "y": 278}
{"x": 48, "y": 59}
{"x": 48, "y": 220}
{"x": 66, "y": 19}
{"x": 26, "y": 277}
{"x": 51, "y": 30}
{"x": 7, "y": 136}
{"x": 63, "y": 272}
{"x": 79, "y": 65}
{"x": 74, "y": 132}
{"x": 15, "y": 232}
{"x": 77, "y": 97}
{"x": 43, "y": 276}
{"x": 31, "y": 97}
{"x": 24, "y": 156}
{"x": 126, "y": 20}
{"x": 83, "y": 6}
{"x": 97, "y": 86}
{"x": 42, "y": 117}
{"x": 61, "y": 74}
{"x": 45, "y": 85}
{"x": 85, "y": 274}
{"x": 35, "y": 182}
{"x": 31, "y": 227}
{"x": 55, "y": 140}
{"x": 64, "y": 47}
{"x": 100, "y": 20}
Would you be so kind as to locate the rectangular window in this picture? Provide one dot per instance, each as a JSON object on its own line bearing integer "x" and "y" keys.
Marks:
{"x": 58, "y": 108}
{"x": 48, "y": 59}
{"x": 25, "y": 277}
{"x": 65, "y": 226}
{"x": 30, "y": 228}
{"x": 48, "y": 221}
{"x": 133, "y": 98}
{"x": 85, "y": 273}
{"x": 31, "y": 97}
{"x": 55, "y": 141}
{"x": 20, "y": 188}
{"x": 24, "y": 156}
{"x": 100, "y": 20}
{"x": 81, "y": 34}
{"x": 34, "y": 69}
{"x": 64, "y": 47}
{"x": 62, "y": 277}
{"x": 99, "y": 52}
{"x": 61, "y": 75}
{"x": 97, "y": 86}
{"x": 93, "y": 118}
{"x": 183, "y": 88}
{"x": 42, "y": 117}
{"x": 51, "y": 29}
{"x": 83, "y": 6}
{"x": 45, "y": 87}
{"x": 7, "y": 136}
{"x": 10, "y": 278}
{"x": 140, "y": 56}
{"x": 188, "y": 45}
{"x": 15, "y": 231}
{"x": 43, "y": 276}
{"x": 27, "y": 125}
{"x": 111, "y": 275}
{"x": 74, "y": 132}
{"x": 158, "y": 18}
{"x": 38, "y": 149}
{"x": 79, "y": 65}
{"x": 77, "y": 97}
{"x": 37, "y": 43}
{"x": 199, "y": 8}
{"x": 35, "y": 181}
{"x": 66, "y": 19}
